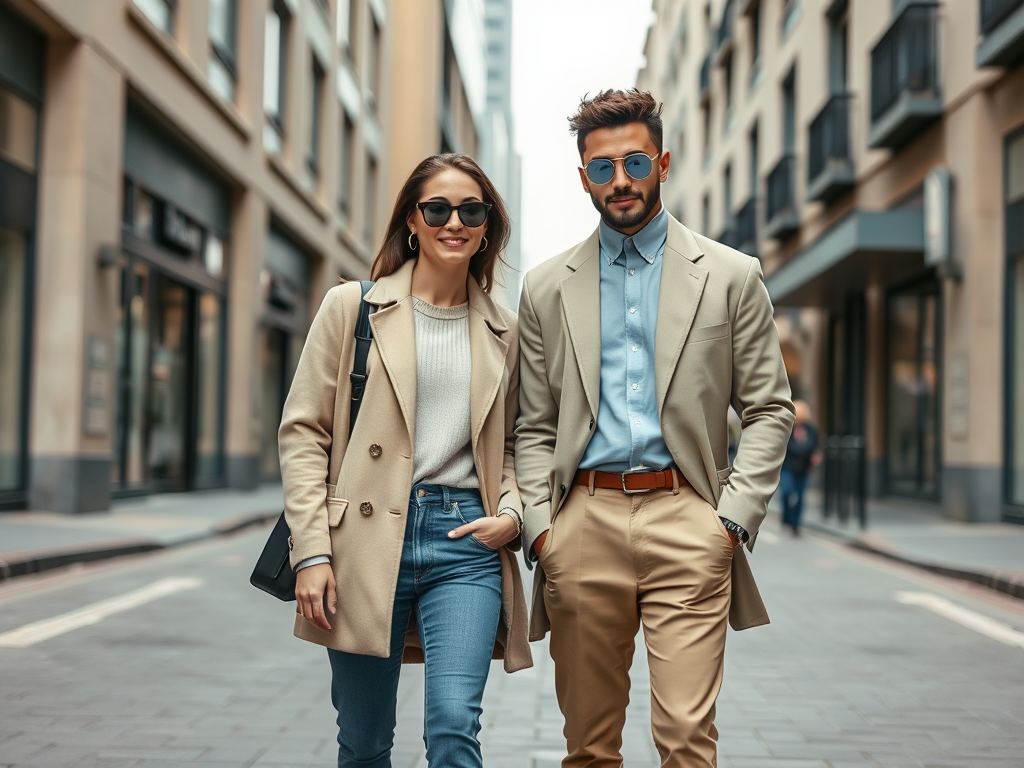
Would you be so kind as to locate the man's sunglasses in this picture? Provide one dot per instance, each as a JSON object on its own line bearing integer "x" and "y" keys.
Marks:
{"x": 637, "y": 166}
{"x": 437, "y": 214}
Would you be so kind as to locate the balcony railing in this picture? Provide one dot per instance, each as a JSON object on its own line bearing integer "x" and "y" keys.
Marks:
{"x": 829, "y": 163}
{"x": 995, "y": 12}
{"x": 904, "y": 76}
{"x": 781, "y": 211}
{"x": 1001, "y": 29}
{"x": 746, "y": 227}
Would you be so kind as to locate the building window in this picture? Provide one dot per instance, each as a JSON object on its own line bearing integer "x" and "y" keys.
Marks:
{"x": 160, "y": 12}
{"x": 754, "y": 160}
{"x": 728, "y": 95}
{"x": 222, "y": 68}
{"x": 18, "y": 131}
{"x": 315, "y": 117}
{"x": 347, "y": 29}
{"x": 727, "y": 195}
{"x": 370, "y": 207}
{"x": 345, "y": 174}
{"x": 789, "y": 113}
{"x": 707, "y": 132}
{"x": 274, "y": 65}
{"x": 13, "y": 273}
{"x": 705, "y": 215}
{"x": 790, "y": 14}
{"x": 373, "y": 75}
{"x": 755, "y": 45}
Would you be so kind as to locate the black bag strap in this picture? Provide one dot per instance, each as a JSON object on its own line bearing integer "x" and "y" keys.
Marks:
{"x": 364, "y": 337}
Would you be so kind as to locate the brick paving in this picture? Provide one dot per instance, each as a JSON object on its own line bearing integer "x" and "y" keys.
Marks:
{"x": 844, "y": 677}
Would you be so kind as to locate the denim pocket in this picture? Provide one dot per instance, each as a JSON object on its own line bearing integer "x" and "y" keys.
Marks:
{"x": 465, "y": 519}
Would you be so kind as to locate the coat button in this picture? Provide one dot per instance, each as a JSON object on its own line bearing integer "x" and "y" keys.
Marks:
{"x": 366, "y": 508}
{"x": 375, "y": 451}
{"x": 591, "y": 423}
{"x": 563, "y": 489}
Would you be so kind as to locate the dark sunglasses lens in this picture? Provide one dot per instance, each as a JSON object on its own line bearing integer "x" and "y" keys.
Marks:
{"x": 436, "y": 214}
{"x": 473, "y": 214}
{"x": 638, "y": 166}
{"x": 600, "y": 171}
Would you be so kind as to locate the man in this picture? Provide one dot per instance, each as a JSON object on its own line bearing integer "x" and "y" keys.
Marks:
{"x": 634, "y": 344}
{"x": 801, "y": 454}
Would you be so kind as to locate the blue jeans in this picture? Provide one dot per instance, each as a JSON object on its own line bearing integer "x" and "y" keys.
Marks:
{"x": 791, "y": 487}
{"x": 454, "y": 586}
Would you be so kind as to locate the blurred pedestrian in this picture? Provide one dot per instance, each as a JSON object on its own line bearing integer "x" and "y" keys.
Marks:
{"x": 409, "y": 556}
{"x": 634, "y": 344}
{"x": 801, "y": 454}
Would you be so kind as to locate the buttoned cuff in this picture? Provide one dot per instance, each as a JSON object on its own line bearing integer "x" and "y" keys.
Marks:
{"x": 315, "y": 560}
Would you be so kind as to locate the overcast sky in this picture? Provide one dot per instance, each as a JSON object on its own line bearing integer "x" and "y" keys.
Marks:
{"x": 562, "y": 49}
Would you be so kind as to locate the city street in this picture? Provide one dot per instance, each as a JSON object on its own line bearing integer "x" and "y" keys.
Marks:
{"x": 865, "y": 664}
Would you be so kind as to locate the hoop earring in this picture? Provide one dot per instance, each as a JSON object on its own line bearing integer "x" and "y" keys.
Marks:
{"x": 484, "y": 246}
{"x": 413, "y": 246}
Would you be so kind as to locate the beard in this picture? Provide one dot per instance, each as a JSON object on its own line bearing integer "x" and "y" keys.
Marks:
{"x": 626, "y": 220}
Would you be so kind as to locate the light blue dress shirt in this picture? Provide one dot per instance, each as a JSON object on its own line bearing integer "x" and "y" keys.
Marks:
{"x": 628, "y": 431}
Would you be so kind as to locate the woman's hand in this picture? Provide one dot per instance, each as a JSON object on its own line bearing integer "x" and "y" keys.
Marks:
{"x": 315, "y": 594}
{"x": 493, "y": 532}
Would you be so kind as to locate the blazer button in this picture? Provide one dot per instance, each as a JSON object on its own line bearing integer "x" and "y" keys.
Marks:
{"x": 563, "y": 489}
{"x": 591, "y": 423}
{"x": 366, "y": 508}
{"x": 375, "y": 451}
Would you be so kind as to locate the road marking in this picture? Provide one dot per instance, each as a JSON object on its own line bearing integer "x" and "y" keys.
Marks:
{"x": 967, "y": 618}
{"x": 36, "y": 632}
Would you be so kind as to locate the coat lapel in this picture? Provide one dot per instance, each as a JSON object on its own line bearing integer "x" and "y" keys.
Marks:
{"x": 488, "y": 349}
{"x": 394, "y": 333}
{"x": 682, "y": 284}
{"x": 581, "y": 304}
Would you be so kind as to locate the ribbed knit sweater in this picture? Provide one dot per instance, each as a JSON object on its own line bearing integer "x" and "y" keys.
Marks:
{"x": 442, "y": 449}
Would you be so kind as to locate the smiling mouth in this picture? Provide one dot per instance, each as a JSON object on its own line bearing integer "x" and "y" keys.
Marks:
{"x": 454, "y": 242}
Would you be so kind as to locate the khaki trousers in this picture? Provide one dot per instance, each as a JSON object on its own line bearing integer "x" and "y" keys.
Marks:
{"x": 616, "y": 562}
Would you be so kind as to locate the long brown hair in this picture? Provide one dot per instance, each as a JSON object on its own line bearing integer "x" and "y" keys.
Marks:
{"x": 395, "y": 251}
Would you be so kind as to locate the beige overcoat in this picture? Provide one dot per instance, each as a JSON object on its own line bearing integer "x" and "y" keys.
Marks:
{"x": 349, "y": 499}
{"x": 715, "y": 345}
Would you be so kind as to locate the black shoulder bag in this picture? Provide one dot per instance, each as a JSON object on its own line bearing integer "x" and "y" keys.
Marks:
{"x": 273, "y": 572}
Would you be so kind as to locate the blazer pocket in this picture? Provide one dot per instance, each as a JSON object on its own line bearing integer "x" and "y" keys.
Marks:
{"x": 723, "y": 476}
{"x": 335, "y": 511}
{"x": 708, "y": 333}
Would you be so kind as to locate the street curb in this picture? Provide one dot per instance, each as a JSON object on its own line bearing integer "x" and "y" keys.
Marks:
{"x": 1007, "y": 583}
{"x": 46, "y": 560}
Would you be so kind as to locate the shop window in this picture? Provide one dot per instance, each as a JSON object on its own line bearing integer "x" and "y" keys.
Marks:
{"x": 160, "y": 12}
{"x": 1014, "y": 217}
{"x": 275, "y": 56}
{"x": 370, "y": 212}
{"x": 222, "y": 67}
{"x": 315, "y": 117}
{"x": 12, "y": 353}
{"x": 345, "y": 159}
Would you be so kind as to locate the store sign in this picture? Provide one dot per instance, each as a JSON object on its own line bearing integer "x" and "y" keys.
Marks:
{"x": 937, "y": 250}
{"x": 178, "y": 232}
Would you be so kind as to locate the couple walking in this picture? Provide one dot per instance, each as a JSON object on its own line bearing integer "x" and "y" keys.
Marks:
{"x": 590, "y": 433}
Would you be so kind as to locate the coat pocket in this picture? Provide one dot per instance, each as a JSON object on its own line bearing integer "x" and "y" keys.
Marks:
{"x": 708, "y": 333}
{"x": 335, "y": 511}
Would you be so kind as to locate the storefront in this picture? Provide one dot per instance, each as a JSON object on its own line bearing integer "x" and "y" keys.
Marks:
{"x": 21, "y": 97}
{"x": 169, "y": 425}
{"x": 1014, "y": 218}
{"x": 285, "y": 280}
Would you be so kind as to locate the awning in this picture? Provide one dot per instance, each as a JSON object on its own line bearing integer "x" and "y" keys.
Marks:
{"x": 862, "y": 248}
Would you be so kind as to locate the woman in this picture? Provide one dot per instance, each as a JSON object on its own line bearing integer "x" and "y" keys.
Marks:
{"x": 405, "y": 550}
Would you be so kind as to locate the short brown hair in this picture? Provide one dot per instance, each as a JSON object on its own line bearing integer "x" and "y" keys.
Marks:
{"x": 395, "y": 250}
{"x": 612, "y": 108}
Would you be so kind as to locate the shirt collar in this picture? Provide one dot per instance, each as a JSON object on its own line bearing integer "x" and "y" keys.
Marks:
{"x": 649, "y": 241}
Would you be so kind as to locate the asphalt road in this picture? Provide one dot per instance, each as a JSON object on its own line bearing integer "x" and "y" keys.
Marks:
{"x": 173, "y": 659}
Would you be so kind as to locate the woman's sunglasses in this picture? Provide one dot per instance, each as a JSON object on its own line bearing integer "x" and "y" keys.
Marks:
{"x": 637, "y": 166}
{"x": 470, "y": 214}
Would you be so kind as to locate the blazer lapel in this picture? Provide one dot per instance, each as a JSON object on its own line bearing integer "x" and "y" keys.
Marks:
{"x": 488, "y": 349}
{"x": 581, "y": 304}
{"x": 682, "y": 284}
{"x": 394, "y": 334}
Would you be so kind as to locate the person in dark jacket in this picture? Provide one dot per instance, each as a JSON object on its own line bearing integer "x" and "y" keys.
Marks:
{"x": 801, "y": 455}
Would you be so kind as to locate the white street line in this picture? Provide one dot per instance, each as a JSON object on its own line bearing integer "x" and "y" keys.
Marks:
{"x": 30, "y": 634}
{"x": 970, "y": 619}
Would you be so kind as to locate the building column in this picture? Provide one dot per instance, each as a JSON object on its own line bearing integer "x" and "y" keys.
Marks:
{"x": 76, "y": 299}
{"x": 249, "y": 228}
{"x": 874, "y": 388}
{"x": 972, "y": 358}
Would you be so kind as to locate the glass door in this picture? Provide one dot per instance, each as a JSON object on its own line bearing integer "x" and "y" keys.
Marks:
{"x": 912, "y": 440}
{"x": 13, "y": 252}
{"x": 168, "y": 384}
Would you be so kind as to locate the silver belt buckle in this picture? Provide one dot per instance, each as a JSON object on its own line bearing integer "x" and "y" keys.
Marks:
{"x": 638, "y": 471}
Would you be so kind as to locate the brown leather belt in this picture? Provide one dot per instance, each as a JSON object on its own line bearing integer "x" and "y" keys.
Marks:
{"x": 632, "y": 481}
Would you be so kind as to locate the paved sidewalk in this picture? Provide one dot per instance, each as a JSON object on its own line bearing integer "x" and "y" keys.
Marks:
{"x": 991, "y": 554}
{"x": 37, "y": 541}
